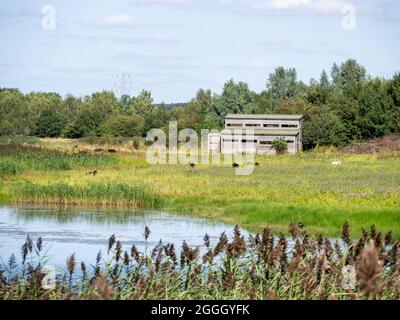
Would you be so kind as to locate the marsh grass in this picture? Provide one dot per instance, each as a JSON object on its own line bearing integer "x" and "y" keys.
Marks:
{"x": 114, "y": 194}
{"x": 304, "y": 187}
{"x": 19, "y": 140}
{"x": 9, "y": 167}
{"x": 17, "y": 158}
{"x": 257, "y": 268}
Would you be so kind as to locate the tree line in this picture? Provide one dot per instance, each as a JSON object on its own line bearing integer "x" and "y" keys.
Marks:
{"x": 344, "y": 106}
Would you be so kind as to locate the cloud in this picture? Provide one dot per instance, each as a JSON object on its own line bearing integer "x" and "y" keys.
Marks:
{"x": 23, "y": 13}
{"x": 286, "y": 46}
{"x": 119, "y": 20}
{"x": 153, "y": 38}
{"x": 301, "y": 6}
{"x": 90, "y": 70}
{"x": 315, "y": 6}
{"x": 12, "y": 65}
{"x": 251, "y": 65}
{"x": 174, "y": 2}
{"x": 304, "y": 47}
{"x": 188, "y": 3}
{"x": 159, "y": 57}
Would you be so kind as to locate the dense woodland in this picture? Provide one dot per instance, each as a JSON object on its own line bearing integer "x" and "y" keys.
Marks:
{"x": 346, "y": 106}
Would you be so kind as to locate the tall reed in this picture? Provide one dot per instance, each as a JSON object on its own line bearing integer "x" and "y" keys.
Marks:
{"x": 23, "y": 157}
{"x": 260, "y": 267}
{"x": 115, "y": 194}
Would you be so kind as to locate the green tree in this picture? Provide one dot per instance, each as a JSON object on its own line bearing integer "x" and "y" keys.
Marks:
{"x": 348, "y": 77}
{"x": 104, "y": 103}
{"x": 144, "y": 107}
{"x": 283, "y": 84}
{"x": 235, "y": 98}
{"x": 324, "y": 80}
{"x": 298, "y": 106}
{"x": 394, "y": 89}
{"x": 12, "y": 112}
{"x": 71, "y": 106}
{"x": 50, "y": 123}
{"x": 126, "y": 104}
{"x": 123, "y": 126}
{"x": 10, "y": 100}
{"x": 160, "y": 116}
{"x": 348, "y": 111}
{"x": 324, "y": 128}
{"x": 87, "y": 123}
{"x": 195, "y": 113}
{"x": 262, "y": 104}
{"x": 376, "y": 109}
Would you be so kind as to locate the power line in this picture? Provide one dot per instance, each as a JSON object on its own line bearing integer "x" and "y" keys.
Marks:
{"x": 123, "y": 85}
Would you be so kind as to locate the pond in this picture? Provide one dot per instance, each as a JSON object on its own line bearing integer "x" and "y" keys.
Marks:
{"x": 86, "y": 231}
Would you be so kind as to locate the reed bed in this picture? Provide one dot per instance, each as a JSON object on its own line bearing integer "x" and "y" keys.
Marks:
{"x": 99, "y": 194}
{"x": 16, "y": 158}
{"x": 19, "y": 140}
{"x": 260, "y": 267}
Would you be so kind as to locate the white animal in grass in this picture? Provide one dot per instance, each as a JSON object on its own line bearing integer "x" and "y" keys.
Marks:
{"x": 336, "y": 163}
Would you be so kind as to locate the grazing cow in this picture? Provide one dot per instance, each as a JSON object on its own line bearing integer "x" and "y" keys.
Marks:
{"x": 192, "y": 165}
{"x": 235, "y": 165}
{"x": 257, "y": 164}
{"x": 301, "y": 225}
{"x": 112, "y": 151}
{"x": 98, "y": 150}
{"x": 92, "y": 173}
{"x": 336, "y": 163}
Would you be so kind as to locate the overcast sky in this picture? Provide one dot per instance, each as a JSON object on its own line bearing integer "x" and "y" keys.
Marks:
{"x": 175, "y": 47}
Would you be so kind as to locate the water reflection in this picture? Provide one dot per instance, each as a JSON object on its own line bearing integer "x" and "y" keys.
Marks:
{"x": 85, "y": 232}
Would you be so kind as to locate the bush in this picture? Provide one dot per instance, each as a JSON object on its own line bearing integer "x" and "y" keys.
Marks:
{"x": 124, "y": 126}
{"x": 280, "y": 145}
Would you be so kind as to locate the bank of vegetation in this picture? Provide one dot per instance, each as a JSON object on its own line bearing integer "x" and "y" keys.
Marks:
{"x": 346, "y": 106}
{"x": 305, "y": 187}
{"x": 261, "y": 267}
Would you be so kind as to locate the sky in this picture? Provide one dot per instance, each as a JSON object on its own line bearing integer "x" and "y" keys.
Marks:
{"x": 175, "y": 47}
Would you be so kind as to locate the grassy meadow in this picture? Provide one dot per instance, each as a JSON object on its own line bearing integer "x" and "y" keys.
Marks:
{"x": 305, "y": 188}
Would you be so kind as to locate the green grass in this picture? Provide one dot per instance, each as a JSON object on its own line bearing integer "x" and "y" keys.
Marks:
{"x": 19, "y": 140}
{"x": 306, "y": 188}
{"x": 17, "y": 158}
{"x": 9, "y": 167}
{"x": 96, "y": 193}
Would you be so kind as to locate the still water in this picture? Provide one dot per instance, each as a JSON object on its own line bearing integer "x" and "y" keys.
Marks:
{"x": 85, "y": 232}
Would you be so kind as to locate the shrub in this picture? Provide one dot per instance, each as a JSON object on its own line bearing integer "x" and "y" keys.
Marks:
{"x": 280, "y": 145}
{"x": 124, "y": 126}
